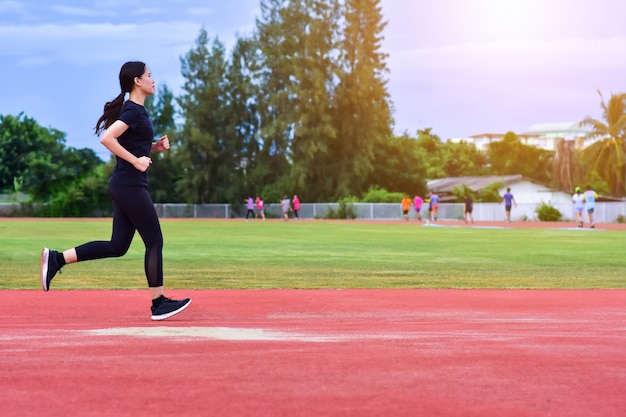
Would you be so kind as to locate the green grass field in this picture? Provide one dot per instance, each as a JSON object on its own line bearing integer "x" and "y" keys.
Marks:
{"x": 205, "y": 254}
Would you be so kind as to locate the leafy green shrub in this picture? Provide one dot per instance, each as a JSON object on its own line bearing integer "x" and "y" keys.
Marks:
{"x": 620, "y": 219}
{"x": 491, "y": 193}
{"x": 547, "y": 213}
{"x": 380, "y": 195}
{"x": 460, "y": 191}
{"x": 345, "y": 210}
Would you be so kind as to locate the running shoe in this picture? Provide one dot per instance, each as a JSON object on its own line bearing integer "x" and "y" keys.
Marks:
{"x": 49, "y": 267}
{"x": 169, "y": 308}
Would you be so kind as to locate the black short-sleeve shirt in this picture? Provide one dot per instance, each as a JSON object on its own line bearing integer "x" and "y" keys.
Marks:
{"x": 137, "y": 139}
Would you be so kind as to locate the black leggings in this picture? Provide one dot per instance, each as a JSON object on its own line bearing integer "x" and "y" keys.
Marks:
{"x": 132, "y": 210}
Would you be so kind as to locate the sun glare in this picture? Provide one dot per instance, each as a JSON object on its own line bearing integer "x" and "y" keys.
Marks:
{"x": 505, "y": 19}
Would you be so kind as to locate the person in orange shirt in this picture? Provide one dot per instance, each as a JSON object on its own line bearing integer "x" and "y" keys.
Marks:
{"x": 406, "y": 205}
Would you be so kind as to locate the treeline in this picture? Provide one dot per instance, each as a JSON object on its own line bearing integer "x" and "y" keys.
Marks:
{"x": 299, "y": 106}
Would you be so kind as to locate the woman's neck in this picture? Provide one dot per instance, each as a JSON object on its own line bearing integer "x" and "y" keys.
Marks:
{"x": 137, "y": 98}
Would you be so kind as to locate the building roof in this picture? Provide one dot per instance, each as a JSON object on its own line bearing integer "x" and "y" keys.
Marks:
{"x": 501, "y": 135}
{"x": 446, "y": 185}
{"x": 571, "y": 128}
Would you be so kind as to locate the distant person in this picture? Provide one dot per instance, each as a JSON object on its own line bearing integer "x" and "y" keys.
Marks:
{"x": 128, "y": 134}
{"x": 433, "y": 206}
{"x": 578, "y": 200}
{"x": 417, "y": 205}
{"x": 406, "y": 206}
{"x": 468, "y": 207}
{"x": 250, "y": 208}
{"x": 590, "y": 203}
{"x": 509, "y": 201}
{"x": 285, "y": 206}
{"x": 260, "y": 208}
{"x": 296, "y": 207}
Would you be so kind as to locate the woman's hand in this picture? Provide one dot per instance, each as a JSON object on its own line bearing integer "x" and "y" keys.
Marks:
{"x": 163, "y": 144}
{"x": 142, "y": 163}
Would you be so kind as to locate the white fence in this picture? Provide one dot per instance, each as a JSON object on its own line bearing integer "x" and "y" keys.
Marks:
{"x": 604, "y": 212}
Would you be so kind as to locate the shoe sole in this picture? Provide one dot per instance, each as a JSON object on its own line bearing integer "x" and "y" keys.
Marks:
{"x": 170, "y": 314}
{"x": 45, "y": 255}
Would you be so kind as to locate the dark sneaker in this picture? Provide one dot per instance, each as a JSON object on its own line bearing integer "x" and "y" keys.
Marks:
{"x": 49, "y": 267}
{"x": 169, "y": 308}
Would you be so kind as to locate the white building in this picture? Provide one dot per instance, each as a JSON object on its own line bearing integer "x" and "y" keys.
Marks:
{"x": 528, "y": 196}
{"x": 542, "y": 135}
{"x": 525, "y": 190}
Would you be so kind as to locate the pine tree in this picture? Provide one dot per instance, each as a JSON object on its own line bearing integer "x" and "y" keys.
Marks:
{"x": 205, "y": 151}
{"x": 362, "y": 105}
{"x": 166, "y": 171}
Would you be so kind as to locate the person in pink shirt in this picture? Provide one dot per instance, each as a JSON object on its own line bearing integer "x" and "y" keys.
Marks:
{"x": 260, "y": 208}
{"x": 417, "y": 205}
{"x": 296, "y": 206}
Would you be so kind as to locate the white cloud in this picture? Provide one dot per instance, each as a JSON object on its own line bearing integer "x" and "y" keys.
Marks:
{"x": 200, "y": 11}
{"x": 35, "y": 61}
{"x": 92, "y": 43}
{"x": 146, "y": 11}
{"x": 74, "y": 11}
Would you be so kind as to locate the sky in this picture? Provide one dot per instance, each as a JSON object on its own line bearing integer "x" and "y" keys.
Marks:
{"x": 459, "y": 67}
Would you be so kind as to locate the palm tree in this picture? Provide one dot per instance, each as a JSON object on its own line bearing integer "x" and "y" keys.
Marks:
{"x": 607, "y": 157}
{"x": 564, "y": 165}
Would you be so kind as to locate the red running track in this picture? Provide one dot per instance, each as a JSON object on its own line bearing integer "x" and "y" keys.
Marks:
{"x": 315, "y": 353}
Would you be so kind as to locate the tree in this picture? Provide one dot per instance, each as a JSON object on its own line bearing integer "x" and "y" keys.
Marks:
{"x": 461, "y": 159}
{"x": 205, "y": 151}
{"x": 326, "y": 108}
{"x": 297, "y": 41}
{"x": 399, "y": 167}
{"x": 275, "y": 78}
{"x": 166, "y": 171}
{"x": 315, "y": 22}
{"x": 37, "y": 158}
{"x": 244, "y": 122}
{"x": 362, "y": 103}
{"x": 566, "y": 168}
{"x": 430, "y": 153}
{"x": 85, "y": 197}
{"x": 511, "y": 157}
{"x": 608, "y": 155}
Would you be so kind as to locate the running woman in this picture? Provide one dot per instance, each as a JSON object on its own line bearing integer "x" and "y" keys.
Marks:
{"x": 128, "y": 133}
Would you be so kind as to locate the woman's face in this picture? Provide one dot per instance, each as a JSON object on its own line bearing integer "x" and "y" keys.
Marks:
{"x": 146, "y": 83}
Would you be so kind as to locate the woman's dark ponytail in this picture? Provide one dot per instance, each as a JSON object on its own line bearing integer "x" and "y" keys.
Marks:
{"x": 113, "y": 109}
